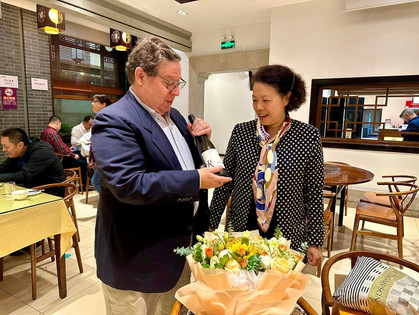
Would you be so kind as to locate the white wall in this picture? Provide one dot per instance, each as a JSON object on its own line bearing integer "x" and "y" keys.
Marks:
{"x": 317, "y": 40}
{"x": 181, "y": 102}
{"x": 228, "y": 101}
{"x": 247, "y": 37}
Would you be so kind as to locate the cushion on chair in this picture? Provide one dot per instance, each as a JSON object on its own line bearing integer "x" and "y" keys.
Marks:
{"x": 376, "y": 211}
{"x": 376, "y": 288}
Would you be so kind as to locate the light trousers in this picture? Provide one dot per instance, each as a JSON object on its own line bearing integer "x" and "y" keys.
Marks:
{"x": 127, "y": 302}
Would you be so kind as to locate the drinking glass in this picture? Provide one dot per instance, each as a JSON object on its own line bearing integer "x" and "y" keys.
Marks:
{"x": 8, "y": 188}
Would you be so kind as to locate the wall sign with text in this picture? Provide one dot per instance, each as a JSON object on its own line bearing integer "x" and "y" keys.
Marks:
{"x": 8, "y": 98}
{"x": 8, "y": 81}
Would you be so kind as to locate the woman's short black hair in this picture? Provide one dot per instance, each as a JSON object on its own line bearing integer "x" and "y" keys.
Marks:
{"x": 284, "y": 80}
{"x": 103, "y": 98}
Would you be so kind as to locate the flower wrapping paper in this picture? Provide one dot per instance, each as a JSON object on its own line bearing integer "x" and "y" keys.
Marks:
{"x": 220, "y": 292}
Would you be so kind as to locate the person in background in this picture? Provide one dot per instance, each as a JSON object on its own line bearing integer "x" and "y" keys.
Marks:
{"x": 29, "y": 163}
{"x": 413, "y": 125}
{"x": 51, "y": 136}
{"x": 100, "y": 101}
{"x": 79, "y": 131}
{"x": 277, "y": 167}
{"x": 147, "y": 162}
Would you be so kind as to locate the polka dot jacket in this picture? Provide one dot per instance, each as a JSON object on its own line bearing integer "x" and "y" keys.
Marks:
{"x": 299, "y": 205}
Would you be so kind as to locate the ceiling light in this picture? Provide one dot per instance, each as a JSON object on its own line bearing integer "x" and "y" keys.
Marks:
{"x": 180, "y": 12}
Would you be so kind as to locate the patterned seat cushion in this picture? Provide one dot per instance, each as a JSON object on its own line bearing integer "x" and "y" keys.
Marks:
{"x": 376, "y": 288}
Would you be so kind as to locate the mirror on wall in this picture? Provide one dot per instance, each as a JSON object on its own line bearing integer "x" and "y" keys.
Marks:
{"x": 364, "y": 113}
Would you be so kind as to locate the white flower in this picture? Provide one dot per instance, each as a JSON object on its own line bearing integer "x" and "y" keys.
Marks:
{"x": 266, "y": 261}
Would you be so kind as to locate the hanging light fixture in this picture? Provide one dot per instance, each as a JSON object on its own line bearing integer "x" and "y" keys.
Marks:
{"x": 121, "y": 41}
{"x": 50, "y": 20}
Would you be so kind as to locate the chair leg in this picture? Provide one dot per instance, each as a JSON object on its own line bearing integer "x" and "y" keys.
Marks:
{"x": 33, "y": 270}
{"x": 50, "y": 245}
{"x": 77, "y": 250}
{"x": 329, "y": 244}
{"x": 1, "y": 269}
{"x": 355, "y": 229}
{"x": 74, "y": 215}
{"x": 319, "y": 266}
{"x": 400, "y": 240}
{"x": 87, "y": 188}
{"x": 346, "y": 200}
{"x": 80, "y": 181}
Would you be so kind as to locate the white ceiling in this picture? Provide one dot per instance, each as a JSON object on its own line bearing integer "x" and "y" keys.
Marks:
{"x": 205, "y": 15}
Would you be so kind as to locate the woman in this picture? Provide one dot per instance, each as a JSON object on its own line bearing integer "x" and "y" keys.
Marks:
{"x": 99, "y": 102}
{"x": 277, "y": 167}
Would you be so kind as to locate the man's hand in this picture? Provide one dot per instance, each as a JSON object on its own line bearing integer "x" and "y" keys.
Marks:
{"x": 76, "y": 156}
{"x": 314, "y": 254}
{"x": 209, "y": 179}
{"x": 200, "y": 128}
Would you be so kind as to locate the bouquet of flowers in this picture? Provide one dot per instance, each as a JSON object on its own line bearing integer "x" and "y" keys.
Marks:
{"x": 242, "y": 273}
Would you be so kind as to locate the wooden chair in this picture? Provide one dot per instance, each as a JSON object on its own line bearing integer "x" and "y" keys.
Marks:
{"x": 68, "y": 200}
{"x": 339, "y": 188}
{"x": 70, "y": 175}
{"x": 328, "y": 228}
{"x": 301, "y": 302}
{"x": 88, "y": 186}
{"x": 383, "y": 200}
{"x": 77, "y": 170}
{"x": 327, "y": 297}
{"x": 399, "y": 200}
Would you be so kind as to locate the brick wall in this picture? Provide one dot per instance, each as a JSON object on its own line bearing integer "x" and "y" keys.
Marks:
{"x": 11, "y": 64}
{"x": 37, "y": 61}
{"x": 36, "y": 65}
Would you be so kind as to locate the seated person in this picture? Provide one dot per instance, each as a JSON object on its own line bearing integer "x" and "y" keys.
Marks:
{"x": 29, "y": 163}
{"x": 413, "y": 125}
{"x": 50, "y": 135}
{"x": 78, "y": 132}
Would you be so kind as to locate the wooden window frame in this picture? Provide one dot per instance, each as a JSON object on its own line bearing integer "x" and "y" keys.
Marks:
{"x": 359, "y": 144}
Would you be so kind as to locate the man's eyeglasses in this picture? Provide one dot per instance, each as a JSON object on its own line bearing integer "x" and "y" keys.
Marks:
{"x": 171, "y": 85}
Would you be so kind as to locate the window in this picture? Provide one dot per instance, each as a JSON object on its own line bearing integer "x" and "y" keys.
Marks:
{"x": 363, "y": 113}
{"x": 81, "y": 69}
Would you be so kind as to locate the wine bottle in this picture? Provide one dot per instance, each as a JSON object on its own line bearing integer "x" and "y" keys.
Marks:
{"x": 208, "y": 152}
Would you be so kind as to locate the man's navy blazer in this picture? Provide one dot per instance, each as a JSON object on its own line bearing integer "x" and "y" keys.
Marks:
{"x": 146, "y": 201}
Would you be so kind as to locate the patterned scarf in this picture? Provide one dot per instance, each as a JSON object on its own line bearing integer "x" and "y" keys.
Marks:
{"x": 266, "y": 175}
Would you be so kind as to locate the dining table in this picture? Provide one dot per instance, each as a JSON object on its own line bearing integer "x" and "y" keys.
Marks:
{"x": 338, "y": 176}
{"x": 36, "y": 217}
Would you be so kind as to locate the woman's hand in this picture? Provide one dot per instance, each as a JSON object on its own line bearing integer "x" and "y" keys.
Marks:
{"x": 199, "y": 128}
{"x": 314, "y": 254}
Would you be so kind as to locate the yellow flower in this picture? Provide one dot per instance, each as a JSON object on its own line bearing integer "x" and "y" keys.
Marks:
{"x": 233, "y": 266}
{"x": 280, "y": 264}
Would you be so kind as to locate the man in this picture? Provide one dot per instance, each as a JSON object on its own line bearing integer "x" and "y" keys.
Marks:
{"x": 30, "y": 163}
{"x": 147, "y": 164}
{"x": 413, "y": 125}
{"x": 80, "y": 130}
{"x": 50, "y": 135}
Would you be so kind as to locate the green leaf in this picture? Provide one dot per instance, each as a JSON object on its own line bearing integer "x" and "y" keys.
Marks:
{"x": 205, "y": 266}
{"x": 278, "y": 233}
{"x": 183, "y": 251}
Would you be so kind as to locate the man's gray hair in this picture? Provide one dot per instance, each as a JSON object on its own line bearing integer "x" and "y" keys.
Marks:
{"x": 407, "y": 111}
{"x": 148, "y": 54}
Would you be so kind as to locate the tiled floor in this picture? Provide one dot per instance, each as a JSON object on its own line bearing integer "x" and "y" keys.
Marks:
{"x": 84, "y": 290}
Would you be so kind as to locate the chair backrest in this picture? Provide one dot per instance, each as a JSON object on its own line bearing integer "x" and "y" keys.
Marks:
{"x": 401, "y": 195}
{"x": 330, "y": 196}
{"x": 70, "y": 175}
{"x": 409, "y": 179}
{"x": 327, "y": 297}
{"x": 61, "y": 156}
{"x": 70, "y": 191}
